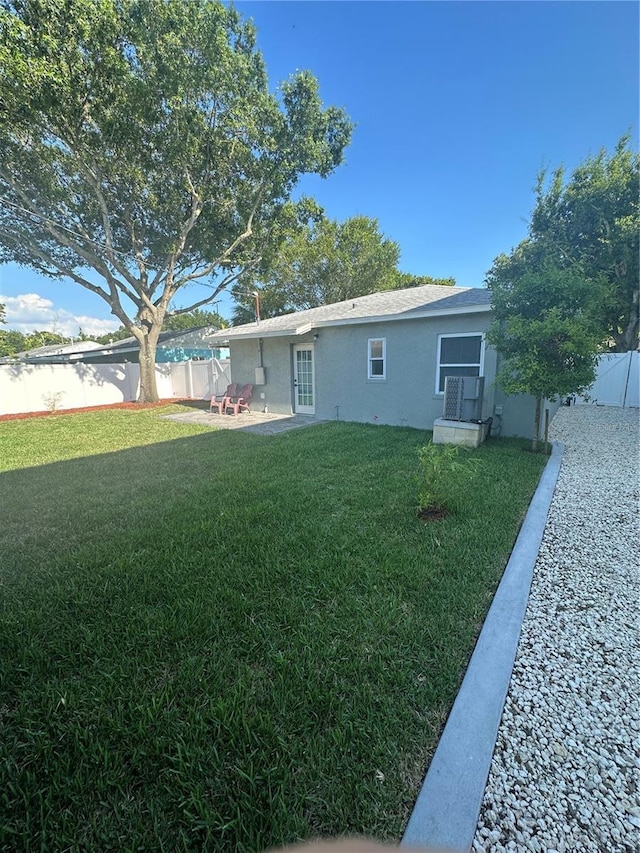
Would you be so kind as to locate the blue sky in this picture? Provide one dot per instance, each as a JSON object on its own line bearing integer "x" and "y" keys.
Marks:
{"x": 457, "y": 107}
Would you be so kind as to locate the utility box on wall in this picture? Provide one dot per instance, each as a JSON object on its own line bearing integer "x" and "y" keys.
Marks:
{"x": 260, "y": 376}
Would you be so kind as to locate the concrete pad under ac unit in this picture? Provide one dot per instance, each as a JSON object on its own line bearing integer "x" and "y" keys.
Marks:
{"x": 458, "y": 432}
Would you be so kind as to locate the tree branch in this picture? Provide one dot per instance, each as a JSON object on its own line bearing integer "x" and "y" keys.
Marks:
{"x": 61, "y": 236}
{"x": 220, "y": 287}
{"x": 136, "y": 246}
{"x": 112, "y": 299}
{"x": 187, "y": 226}
{"x": 93, "y": 260}
{"x": 226, "y": 255}
{"x": 93, "y": 179}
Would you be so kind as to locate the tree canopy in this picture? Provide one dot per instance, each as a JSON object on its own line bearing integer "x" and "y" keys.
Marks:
{"x": 143, "y": 150}
{"x": 407, "y": 279}
{"x": 570, "y": 288}
{"x": 323, "y": 261}
{"x": 110, "y": 337}
{"x": 546, "y": 339}
{"x": 12, "y": 341}
{"x": 590, "y": 224}
{"x": 194, "y": 320}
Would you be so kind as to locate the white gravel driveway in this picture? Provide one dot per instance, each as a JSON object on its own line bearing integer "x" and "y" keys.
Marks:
{"x": 565, "y": 774}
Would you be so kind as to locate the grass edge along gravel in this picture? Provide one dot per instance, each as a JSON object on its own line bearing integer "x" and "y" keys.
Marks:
{"x": 220, "y": 639}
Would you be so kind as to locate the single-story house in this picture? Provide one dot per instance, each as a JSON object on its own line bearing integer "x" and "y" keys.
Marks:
{"x": 381, "y": 358}
{"x": 173, "y": 346}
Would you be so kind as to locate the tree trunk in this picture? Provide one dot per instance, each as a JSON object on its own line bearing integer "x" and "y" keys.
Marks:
{"x": 627, "y": 338}
{"x": 631, "y": 333}
{"x": 536, "y": 425}
{"x": 148, "y": 383}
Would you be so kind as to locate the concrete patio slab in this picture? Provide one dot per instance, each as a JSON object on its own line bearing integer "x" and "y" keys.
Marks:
{"x": 258, "y": 423}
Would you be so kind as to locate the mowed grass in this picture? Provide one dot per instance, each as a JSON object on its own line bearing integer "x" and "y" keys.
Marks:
{"x": 215, "y": 640}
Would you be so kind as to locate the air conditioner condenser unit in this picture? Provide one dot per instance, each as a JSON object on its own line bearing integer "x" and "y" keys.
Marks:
{"x": 463, "y": 398}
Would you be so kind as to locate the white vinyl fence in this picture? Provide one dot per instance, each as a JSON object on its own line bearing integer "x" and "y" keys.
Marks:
{"x": 42, "y": 387}
{"x": 200, "y": 380}
{"x": 617, "y": 381}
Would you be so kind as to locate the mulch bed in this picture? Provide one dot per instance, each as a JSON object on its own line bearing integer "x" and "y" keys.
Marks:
{"x": 136, "y": 406}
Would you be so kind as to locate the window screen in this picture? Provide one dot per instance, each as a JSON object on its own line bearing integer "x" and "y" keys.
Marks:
{"x": 460, "y": 350}
{"x": 458, "y": 355}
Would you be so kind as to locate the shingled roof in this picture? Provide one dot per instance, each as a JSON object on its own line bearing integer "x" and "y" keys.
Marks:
{"x": 408, "y": 303}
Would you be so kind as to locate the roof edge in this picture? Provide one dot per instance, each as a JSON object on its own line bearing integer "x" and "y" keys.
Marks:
{"x": 296, "y": 331}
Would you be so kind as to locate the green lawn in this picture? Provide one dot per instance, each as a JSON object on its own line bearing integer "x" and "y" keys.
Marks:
{"x": 225, "y": 640}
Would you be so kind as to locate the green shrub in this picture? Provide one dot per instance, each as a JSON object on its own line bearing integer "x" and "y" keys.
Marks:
{"x": 440, "y": 473}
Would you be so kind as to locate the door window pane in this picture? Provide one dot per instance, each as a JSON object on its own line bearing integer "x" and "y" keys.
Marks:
{"x": 304, "y": 377}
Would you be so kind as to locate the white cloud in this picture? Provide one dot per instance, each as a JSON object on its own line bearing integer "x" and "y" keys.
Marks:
{"x": 30, "y": 312}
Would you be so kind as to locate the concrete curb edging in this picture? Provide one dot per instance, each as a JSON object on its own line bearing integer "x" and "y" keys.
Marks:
{"x": 448, "y": 806}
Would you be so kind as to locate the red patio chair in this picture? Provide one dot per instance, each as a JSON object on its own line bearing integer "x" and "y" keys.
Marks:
{"x": 223, "y": 400}
{"x": 241, "y": 404}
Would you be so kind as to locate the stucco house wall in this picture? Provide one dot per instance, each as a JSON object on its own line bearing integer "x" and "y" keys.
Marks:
{"x": 354, "y": 383}
{"x": 407, "y": 396}
{"x": 277, "y": 393}
{"x": 518, "y": 413}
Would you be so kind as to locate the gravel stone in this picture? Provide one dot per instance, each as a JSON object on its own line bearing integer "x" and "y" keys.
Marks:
{"x": 565, "y": 771}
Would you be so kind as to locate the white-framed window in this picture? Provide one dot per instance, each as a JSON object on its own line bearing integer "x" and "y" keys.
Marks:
{"x": 377, "y": 358}
{"x": 459, "y": 355}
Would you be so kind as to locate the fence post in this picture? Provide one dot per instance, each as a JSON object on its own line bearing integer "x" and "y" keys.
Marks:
{"x": 189, "y": 380}
{"x": 626, "y": 382}
{"x": 546, "y": 431}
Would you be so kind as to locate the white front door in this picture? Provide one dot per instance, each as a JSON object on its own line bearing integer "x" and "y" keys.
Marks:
{"x": 303, "y": 380}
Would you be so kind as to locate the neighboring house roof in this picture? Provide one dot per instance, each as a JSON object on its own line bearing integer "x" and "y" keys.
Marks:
{"x": 53, "y": 349}
{"x": 429, "y": 300}
{"x": 191, "y": 339}
{"x": 182, "y": 337}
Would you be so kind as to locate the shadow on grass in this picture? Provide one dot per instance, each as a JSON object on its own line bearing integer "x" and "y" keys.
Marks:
{"x": 223, "y": 641}
{"x": 59, "y": 505}
{"x": 198, "y": 405}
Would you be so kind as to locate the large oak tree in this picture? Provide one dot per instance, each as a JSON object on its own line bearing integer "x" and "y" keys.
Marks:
{"x": 143, "y": 150}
